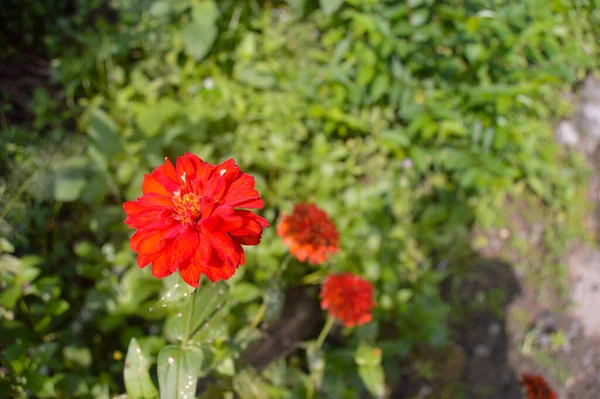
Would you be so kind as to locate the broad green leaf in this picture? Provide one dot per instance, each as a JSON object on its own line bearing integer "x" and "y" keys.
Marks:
{"x": 178, "y": 370}
{"x": 367, "y": 356}
{"x": 200, "y": 34}
{"x": 249, "y": 385}
{"x": 6, "y": 246}
{"x": 330, "y": 6}
{"x": 178, "y": 291}
{"x": 137, "y": 379}
{"x": 209, "y": 300}
{"x": 419, "y": 17}
{"x": 104, "y": 134}
{"x": 374, "y": 379}
{"x": 212, "y": 297}
{"x": 70, "y": 179}
{"x": 297, "y": 6}
{"x": 380, "y": 86}
{"x": 214, "y": 328}
{"x": 259, "y": 78}
{"x": 15, "y": 273}
{"x": 78, "y": 356}
{"x": 370, "y": 370}
{"x": 245, "y": 292}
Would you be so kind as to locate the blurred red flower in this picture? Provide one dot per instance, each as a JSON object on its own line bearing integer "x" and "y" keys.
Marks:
{"x": 536, "y": 387}
{"x": 348, "y": 298}
{"x": 309, "y": 234}
{"x": 186, "y": 219}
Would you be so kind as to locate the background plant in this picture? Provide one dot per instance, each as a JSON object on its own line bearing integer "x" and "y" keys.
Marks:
{"x": 409, "y": 123}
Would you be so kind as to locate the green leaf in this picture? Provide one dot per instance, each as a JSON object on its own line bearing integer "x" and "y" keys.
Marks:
{"x": 245, "y": 292}
{"x": 297, "y": 6}
{"x": 78, "y": 356}
{"x": 212, "y": 297}
{"x": 103, "y": 132}
{"x": 380, "y": 86}
{"x": 370, "y": 370}
{"x": 137, "y": 379}
{"x": 419, "y": 17}
{"x": 330, "y": 6}
{"x": 367, "y": 356}
{"x": 216, "y": 327}
{"x": 70, "y": 179}
{"x": 178, "y": 370}
{"x": 374, "y": 379}
{"x": 174, "y": 294}
{"x": 6, "y": 246}
{"x": 209, "y": 300}
{"x": 249, "y": 385}
{"x": 200, "y": 34}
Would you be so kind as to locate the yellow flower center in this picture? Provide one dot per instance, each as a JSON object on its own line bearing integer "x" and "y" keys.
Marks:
{"x": 187, "y": 208}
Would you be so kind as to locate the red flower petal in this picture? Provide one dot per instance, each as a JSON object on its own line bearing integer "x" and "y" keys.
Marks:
{"x": 152, "y": 185}
{"x": 176, "y": 254}
{"x": 348, "y": 298}
{"x": 186, "y": 219}
{"x": 536, "y": 387}
{"x": 309, "y": 234}
{"x": 242, "y": 193}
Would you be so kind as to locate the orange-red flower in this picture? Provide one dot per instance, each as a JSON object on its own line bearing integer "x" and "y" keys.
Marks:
{"x": 309, "y": 234}
{"x": 348, "y": 298}
{"x": 536, "y": 387}
{"x": 187, "y": 219}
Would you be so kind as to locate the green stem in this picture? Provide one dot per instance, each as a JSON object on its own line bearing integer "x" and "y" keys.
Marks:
{"x": 285, "y": 263}
{"x": 325, "y": 331}
{"x": 188, "y": 324}
{"x": 14, "y": 199}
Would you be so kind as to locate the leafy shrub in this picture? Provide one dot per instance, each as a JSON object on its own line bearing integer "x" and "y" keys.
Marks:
{"x": 409, "y": 123}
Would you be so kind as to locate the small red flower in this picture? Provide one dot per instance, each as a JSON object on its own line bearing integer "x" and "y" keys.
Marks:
{"x": 536, "y": 387}
{"x": 187, "y": 219}
{"x": 309, "y": 234}
{"x": 348, "y": 298}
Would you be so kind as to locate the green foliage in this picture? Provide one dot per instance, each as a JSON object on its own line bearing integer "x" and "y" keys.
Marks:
{"x": 409, "y": 122}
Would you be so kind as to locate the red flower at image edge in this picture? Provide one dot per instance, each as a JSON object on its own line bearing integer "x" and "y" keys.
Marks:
{"x": 536, "y": 387}
{"x": 309, "y": 234}
{"x": 348, "y": 298}
{"x": 186, "y": 219}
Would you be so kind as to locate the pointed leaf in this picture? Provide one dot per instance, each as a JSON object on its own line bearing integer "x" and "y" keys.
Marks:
{"x": 178, "y": 371}
{"x": 374, "y": 379}
{"x": 104, "y": 133}
{"x": 175, "y": 294}
{"x": 330, "y": 6}
{"x": 249, "y": 385}
{"x": 199, "y": 35}
{"x": 210, "y": 299}
{"x": 137, "y": 379}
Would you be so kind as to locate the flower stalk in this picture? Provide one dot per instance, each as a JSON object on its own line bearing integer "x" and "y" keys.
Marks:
{"x": 324, "y": 332}
{"x": 190, "y": 316}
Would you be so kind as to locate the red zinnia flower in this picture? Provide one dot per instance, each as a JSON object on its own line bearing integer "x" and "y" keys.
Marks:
{"x": 186, "y": 219}
{"x": 348, "y": 298}
{"x": 536, "y": 387}
{"x": 309, "y": 234}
